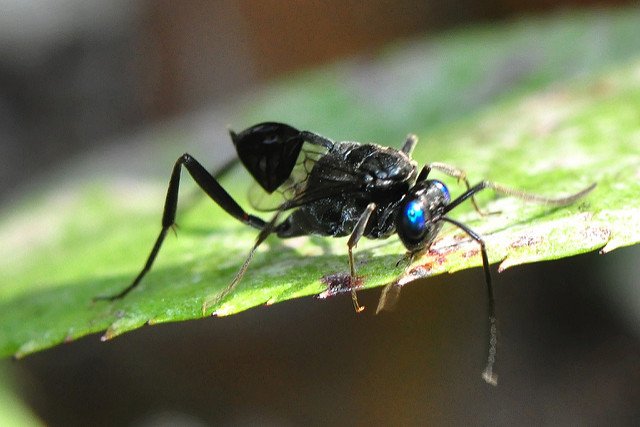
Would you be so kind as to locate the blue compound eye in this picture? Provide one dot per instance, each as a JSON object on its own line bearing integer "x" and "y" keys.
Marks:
{"x": 415, "y": 214}
{"x": 443, "y": 189}
{"x": 414, "y": 220}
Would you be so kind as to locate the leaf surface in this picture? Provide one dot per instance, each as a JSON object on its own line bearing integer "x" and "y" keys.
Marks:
{"x": 63, "y": 247}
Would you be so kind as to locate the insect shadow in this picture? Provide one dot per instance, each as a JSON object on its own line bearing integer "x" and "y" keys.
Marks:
{"x": 340, "y": 188}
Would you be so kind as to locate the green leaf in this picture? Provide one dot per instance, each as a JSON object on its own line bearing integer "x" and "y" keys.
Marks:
{"x": 63, "y": 246}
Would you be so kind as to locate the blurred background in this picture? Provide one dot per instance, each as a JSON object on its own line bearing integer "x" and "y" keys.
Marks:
{"x": 76, "y": 74}
{"x": 89, "y": 79}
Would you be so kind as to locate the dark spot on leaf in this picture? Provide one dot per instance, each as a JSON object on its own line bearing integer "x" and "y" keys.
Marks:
{"x": 526, "y": 241}
{"x": 441, "y": 259}
{"x": 597, "y": 233}
{"x": 470, "y": 254}
{"x": 339, "y": 283}
{"x": 459, "y": 237}
{"x": 438, "y": 257}
{"x": 420, "y": 271}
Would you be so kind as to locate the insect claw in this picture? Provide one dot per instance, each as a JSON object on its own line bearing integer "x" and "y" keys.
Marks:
{"x": 214, "y": 301}
{"x": 490, "y": 377}
{"x": 407, "y": 259}
{"x": 355, "y": 282}
{"x": 403, "y": 260}
{"x": 357, "y": 307}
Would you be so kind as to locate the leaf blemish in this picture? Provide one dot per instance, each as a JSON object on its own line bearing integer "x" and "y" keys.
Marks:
{"x": 597, "y": 234}
{"x": 338, "y": 283}
{"x": 526, "y": 240}
{"x": 471, "y": 253}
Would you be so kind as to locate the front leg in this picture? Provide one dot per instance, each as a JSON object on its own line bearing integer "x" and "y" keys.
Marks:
{"x": 356, "y": 234}
{"x": 488, "y": 375}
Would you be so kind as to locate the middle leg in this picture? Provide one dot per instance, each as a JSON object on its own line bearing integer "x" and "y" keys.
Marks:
{"x": 356, "y": 234}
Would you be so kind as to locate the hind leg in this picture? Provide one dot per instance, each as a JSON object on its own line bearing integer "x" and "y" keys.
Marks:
{"x": 210, "y": 186}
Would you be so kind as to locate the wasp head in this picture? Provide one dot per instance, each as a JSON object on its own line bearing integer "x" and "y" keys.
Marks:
{"x": 418, "y": 216}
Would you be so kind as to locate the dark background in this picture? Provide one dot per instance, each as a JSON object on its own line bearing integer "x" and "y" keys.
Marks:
{"x": 78, "y": 76}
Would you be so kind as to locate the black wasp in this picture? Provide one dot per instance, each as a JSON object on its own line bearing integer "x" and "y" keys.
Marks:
{"x": 341, "y": 189}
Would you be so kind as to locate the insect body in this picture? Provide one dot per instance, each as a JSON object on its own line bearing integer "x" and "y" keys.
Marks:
{"x": 340, "y": 189}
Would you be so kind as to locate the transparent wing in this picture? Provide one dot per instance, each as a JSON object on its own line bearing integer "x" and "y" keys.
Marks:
{"x": 293, "y": 187}
{"x": 336, "y": 177}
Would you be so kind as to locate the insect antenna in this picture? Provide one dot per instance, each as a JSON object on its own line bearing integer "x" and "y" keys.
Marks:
{"x": 530, "y": 197}
{"x": 555, "y": 201}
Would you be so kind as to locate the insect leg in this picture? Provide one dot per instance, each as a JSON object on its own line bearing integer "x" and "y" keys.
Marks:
{"x": 264, "y": 233}
{"x": 488, "y": 374}
{"x": 460, "y": 175}
{"x": 210, "y": 186}
{"x": 409, "y": 144}
{"x": 500, "y": 189}
{"x": 356, "y": 234}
